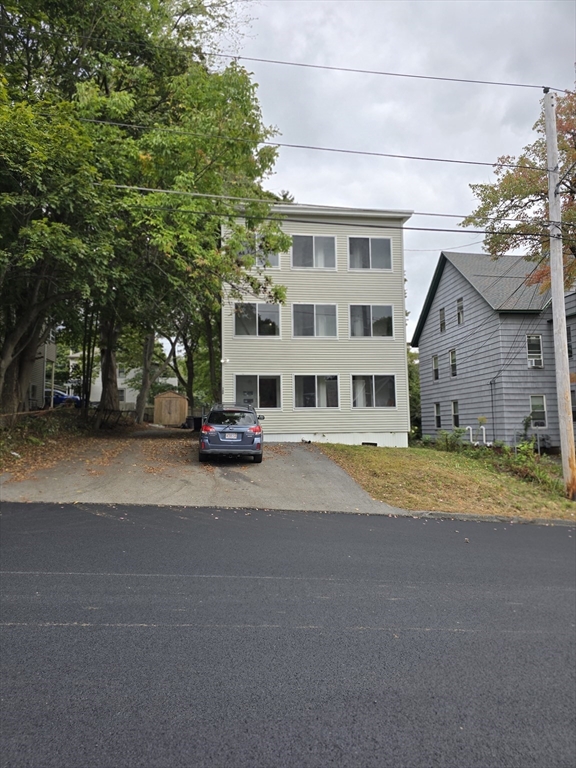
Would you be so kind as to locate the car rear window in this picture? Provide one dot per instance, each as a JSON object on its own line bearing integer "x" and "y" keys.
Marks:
{"x": 237, "y": 418}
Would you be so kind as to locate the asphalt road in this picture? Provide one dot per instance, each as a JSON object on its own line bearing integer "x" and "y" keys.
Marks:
{"x": 146, "y": 636}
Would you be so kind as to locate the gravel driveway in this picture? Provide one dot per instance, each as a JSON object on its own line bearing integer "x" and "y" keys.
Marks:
{"x": 160, "y": 466}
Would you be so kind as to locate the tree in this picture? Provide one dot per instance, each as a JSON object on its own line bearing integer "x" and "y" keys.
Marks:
{"x": 414, "y": 392}
{"x": 102, "y": 98}
{"x": 514, "y": 208}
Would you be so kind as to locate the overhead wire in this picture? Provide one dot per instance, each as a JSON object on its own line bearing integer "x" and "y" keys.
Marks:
{"x": 366, "y": 153}
{"x": 306, "y": 65}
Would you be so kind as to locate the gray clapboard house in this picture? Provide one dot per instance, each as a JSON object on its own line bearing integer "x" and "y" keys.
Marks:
{"x": 486, "y": 349}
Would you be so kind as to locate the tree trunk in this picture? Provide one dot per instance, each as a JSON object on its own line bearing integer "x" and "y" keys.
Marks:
{"x": 211, "y": 343}
{"x": 109, "y": 332}
{"x": 18, "y": 374}
{"x": 142, "y": 399}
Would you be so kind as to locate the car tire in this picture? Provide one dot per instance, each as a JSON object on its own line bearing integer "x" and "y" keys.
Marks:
{"x": 258, "y": 459}
{"x": 202, "y": 457}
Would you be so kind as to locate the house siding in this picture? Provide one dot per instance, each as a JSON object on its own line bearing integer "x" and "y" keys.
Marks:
{"x": 343, "y": 356}
{"x": 493, "y": 377}
{"x": 478, "y": 359}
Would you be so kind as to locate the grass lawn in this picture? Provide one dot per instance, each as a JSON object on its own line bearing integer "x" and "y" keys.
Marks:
{"x": 437, "y": 481}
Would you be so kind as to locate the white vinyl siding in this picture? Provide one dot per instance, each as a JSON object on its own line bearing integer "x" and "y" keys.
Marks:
{"x": 328, "y": 355}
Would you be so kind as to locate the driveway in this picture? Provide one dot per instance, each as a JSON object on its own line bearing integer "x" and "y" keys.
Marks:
{"x": 160, "y": 466}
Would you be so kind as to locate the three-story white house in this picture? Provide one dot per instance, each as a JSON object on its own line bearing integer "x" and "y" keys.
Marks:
{"x": 330, "y": 364}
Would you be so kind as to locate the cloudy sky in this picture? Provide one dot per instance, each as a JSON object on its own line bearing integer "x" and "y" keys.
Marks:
{"x": 517, "y": 41}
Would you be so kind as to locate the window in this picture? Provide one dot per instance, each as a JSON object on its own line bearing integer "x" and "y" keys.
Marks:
{"x": 370, "y": 253}
{"x": 569, "y": 338}
{"x": 314, "y": 251}
{"x": 370, "y": 320}
{"x": 269, "y": 260}
{"x": 257, "y": 320}
{"x": 316, "y": 391}
{"x": 442, "y": 314}
{"x": 121, "y": 395}
{"x": 573, "y": 401}
{"x": 437, "y": 416}
{"x": 258, "y": 391}
{"x": 314, "y": 319}
{"x": 455, "y": 416}
{"x": 373, "y": 392}
{"x": 534, "y": 351}
{"x": 460, "y": 311}
{"x": 435, "y": 369}
{"x": 453, "y": 370}
{"x": 538, "y": 410}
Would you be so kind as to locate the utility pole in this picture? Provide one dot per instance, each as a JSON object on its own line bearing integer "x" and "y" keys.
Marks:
{"x": 558, "y": 304}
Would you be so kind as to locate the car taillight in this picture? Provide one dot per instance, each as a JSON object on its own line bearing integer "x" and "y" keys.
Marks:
{"x": 207, "y": 430}
{"x": 257, "y": 430}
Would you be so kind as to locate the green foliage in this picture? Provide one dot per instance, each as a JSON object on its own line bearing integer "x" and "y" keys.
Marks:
{"x": 450, "y": 441}
{"x": 414, "y": 394}
{"x": 514, "y": 208}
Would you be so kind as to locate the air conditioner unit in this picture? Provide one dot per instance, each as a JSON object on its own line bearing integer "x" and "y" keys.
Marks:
{"x": 535, "y": 363}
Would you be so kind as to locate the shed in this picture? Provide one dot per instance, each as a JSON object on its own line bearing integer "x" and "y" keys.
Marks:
{"x": 170, "y": 409}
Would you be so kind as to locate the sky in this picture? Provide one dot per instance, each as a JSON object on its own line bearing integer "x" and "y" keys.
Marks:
{"x": 516, "y": 41}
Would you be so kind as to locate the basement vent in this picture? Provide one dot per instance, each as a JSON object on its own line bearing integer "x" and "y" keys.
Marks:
{"x": 374, "y": 445}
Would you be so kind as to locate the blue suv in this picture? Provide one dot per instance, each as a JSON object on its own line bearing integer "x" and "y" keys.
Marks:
{"x": 231, "y": 430}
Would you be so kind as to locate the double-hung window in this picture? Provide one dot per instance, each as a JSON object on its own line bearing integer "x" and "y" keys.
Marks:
{"x": 460, "y": 311}
{"x": 370, "y": 253}
{"x": 257, "y": 319}
{"x": 442, "y": 317}
{"x": 371, "y": 320}
{"x": 373, "y": 391}
{"x": 538, "y": 410}
{"x": 314, "y": 319}
{"x": 453, "y": 368}
{"x": 569, "y": 340}
{"x": 534, "y": 351}
{"x": 437, "y": 416}
{"x": 314, "y": 251}
{"x": 316, "y": 391}
{"x": 455, "y": 414}
{"x": 435, "y": 369}
{"x": 259, "y": 391}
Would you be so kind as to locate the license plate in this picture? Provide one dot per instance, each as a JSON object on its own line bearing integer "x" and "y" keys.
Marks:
{"x": 231, "y": 435}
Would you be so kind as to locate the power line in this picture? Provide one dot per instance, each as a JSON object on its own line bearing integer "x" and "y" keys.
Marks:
{"x": 204, "y": 195}
{"x": 236, "y": 57}
{"x": 338, "y": 150}
{"x": 276, "y": 218}
{"x": 330, "y": 68}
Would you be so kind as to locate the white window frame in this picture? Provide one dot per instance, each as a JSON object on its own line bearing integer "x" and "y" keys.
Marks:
{"x": 539, "y": 426}
{"x": 315, "y": 407}
{"x": 534, "y": 361}
{"x": 453, "y": 365}
{"x": 259, "y": 260}
{"x": 391, "y": 338}
{"x": 437, "y": 416}
{"x": 314, "y": 267}
{"x": 460, "y": 311}
{"x": 371, "y": 408}
{"x": 442, "y": 319}
{"x": 455, "y": 414}
{"x": 370, "y": 268}
{"x": 435, "y": 368}
{"x": 265, "y": 376}
{"x": 256, "y": 335}
{"x": 315, "y": 304}
{"x": 121, "y": 395}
